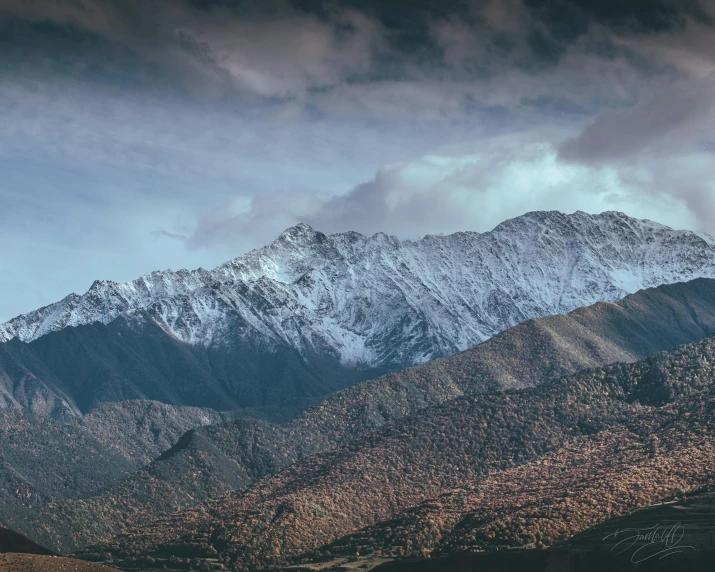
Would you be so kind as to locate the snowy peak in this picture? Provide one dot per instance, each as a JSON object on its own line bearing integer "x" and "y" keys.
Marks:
{"x": 378, "y": 301}
{"x": 301, "y": 234}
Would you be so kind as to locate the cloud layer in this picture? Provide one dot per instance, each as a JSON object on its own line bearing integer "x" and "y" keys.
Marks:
{"x": 471, "y": 189}
{"x": 139, "y": 135}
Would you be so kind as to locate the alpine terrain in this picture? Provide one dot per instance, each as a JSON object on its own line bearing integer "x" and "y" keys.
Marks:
{"x": 98, "y": 497}
{"x": 311, "y": 314}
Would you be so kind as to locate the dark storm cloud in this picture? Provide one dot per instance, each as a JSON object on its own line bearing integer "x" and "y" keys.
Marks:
{"x": 273, "y": 50}
{"x": 677, "y": 117}
{"x": 280, "y": 49}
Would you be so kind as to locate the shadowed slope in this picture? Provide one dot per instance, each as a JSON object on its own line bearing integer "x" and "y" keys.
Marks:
{"x": 130, "y": 359}
{"x": 691, "y": 518}
{"x": 11, "y": 541}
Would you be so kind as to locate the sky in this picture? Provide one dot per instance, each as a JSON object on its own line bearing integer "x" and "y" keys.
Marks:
{"x": 138, "y": 135}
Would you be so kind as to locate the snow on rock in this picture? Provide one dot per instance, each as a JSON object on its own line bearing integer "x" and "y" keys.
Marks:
{"x": 380, "y": 301}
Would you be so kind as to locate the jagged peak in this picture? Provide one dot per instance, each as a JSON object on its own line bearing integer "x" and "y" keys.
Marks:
{"x": 384, "y": 238}
{"x": 349, "y": 235}
{"x": 101, "y": 284}
{"x": 300, "y": 232}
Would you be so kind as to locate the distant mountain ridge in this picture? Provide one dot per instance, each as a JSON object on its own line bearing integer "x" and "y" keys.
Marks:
{"x": 537, "y": 264}
{"x": 311, "y": 314}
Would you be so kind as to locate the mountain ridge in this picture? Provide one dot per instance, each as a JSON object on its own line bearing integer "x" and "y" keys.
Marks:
{"x": 312, "y": 313}
{"x": 300, "y": 253}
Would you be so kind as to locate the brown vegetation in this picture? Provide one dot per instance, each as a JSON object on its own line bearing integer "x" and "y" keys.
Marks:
{"x": 561, "y": 494}
{"x": 546, "y": 463}
{"x": 33, "y": 563}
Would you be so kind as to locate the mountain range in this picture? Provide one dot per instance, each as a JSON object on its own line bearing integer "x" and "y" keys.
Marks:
{"x": 311, "y": 314}
{"x": 219, "y": 458}
{"x": 326, "y": 396}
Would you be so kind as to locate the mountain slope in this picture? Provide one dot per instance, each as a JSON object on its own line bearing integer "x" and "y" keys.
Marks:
{"x": 213, "y": 461}
{"x": 392, "y": 469}
{"x": 71, "y": 371}
{"x": 44, "y": 460}
{"x": 655, "y": 456}
{"x": 317, "y": 308}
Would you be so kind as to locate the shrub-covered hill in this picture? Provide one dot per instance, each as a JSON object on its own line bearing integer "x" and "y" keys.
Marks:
{"x": 505, "y": 439}
{"x": 660, "y": 454}
{"x": 213, "y": 461}
{"x": 43, "y": 459}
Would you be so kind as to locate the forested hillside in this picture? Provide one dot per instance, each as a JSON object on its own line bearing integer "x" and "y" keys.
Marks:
{"x": 653, "y": 419}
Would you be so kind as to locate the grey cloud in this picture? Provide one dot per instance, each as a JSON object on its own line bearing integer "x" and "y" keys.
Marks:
{"x": 286, "y": 56}
{"x": 690, "y": 49}
{"x": 676, "y": 118}
{"x": 671, "y": 115}
{"x": 274, "y": 51}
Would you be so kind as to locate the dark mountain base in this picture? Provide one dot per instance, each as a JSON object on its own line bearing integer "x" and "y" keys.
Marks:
{"x": 11, "y": 541}
{"x": 13, "y": 562}
{"x": 686, "y": 522}
{"x": 76, "y": 369}
{"x": 553, "y": 561}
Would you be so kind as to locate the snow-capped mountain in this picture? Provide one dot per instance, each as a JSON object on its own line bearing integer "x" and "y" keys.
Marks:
{"x": 379, "y": 301}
